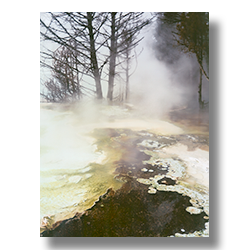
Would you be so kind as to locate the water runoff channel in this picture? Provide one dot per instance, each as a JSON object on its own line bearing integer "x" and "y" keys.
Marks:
{"x": 107, "y": 172}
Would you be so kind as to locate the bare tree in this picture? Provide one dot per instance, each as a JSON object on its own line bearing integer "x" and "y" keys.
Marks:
{"x": 54, "y": 91}
{"x": 78, "y": 33}
{"x": 62, "y": 70}
{"x": 65, "y": 85}
{"x": 124, "y": 30}
{"x": 92, "y": 40}
{"x": 128, "y": 53}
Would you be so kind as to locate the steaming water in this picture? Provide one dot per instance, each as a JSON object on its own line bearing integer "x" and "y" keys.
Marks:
{"x": 68, "y": 183}
{"x": 73, "y": 174}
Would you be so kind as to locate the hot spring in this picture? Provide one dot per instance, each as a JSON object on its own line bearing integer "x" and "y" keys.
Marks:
{"x": 81, "y": 147}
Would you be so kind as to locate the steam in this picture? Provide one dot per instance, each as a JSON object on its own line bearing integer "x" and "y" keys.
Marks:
{"x": 151, "y": 86}
{"x": 159, "y": 86}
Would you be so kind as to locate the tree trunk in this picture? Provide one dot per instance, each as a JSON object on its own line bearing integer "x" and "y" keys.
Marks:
{"x": 113, "y": 52}
{"x": 127, "y": 77}
{"x": 77, "y": 73}
{"x": 93, "y": 58}
{"x": 202, "y": 70}
{"x": 199, "y": 91}
{"x": 200, "y": 85}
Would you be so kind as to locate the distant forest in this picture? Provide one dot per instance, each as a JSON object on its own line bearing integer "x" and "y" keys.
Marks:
{"x": 96, "y": 47}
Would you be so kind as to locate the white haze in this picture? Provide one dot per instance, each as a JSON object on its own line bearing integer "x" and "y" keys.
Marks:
{"x": 157, "y": 87}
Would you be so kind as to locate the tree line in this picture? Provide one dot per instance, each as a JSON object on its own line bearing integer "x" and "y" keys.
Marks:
{"x": 100, "y": 46}
{"x": 90, "y": 44}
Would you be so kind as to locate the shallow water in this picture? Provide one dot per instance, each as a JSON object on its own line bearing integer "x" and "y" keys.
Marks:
{"x": 144, "y": 205}
{"x": 73, "y": 173}
{"x": 192, "y": 121}
{"x": 80, "y": 151}
{"x": 68, "y": 180}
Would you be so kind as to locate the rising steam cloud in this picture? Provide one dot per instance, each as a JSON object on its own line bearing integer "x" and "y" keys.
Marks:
{"x": 158, "y": 86}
